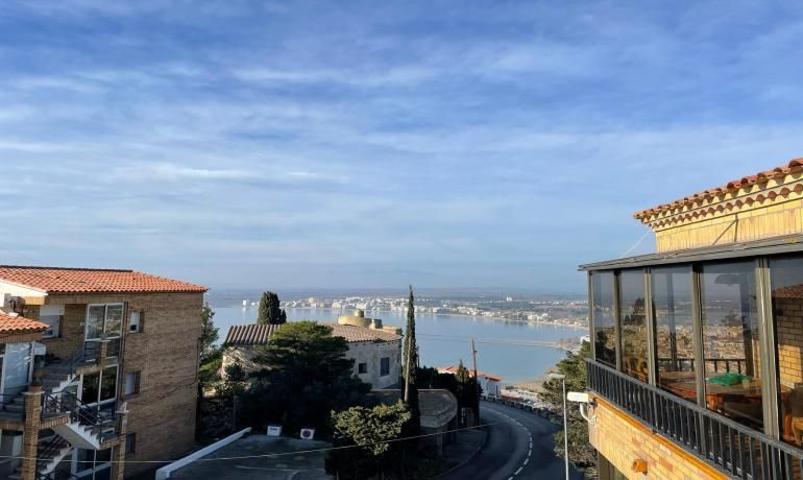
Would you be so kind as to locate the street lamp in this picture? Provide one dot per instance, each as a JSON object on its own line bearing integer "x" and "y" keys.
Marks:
{"x": 562, "y": 378}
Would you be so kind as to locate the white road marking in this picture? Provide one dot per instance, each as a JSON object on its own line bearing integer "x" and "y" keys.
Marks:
{"x": 529, "y": 448}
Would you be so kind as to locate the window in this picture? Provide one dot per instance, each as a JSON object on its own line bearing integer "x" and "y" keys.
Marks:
{"x": 732, "y": 354}
{"x": 93, "y": 464}
{"x": 384, "y": 366}
{"x": 104, "y": 321}
{"x": 633, "y": 324}
{"x": 362, "y": 368}
{"x": 131, "y": 443}
{"x": 108, "y": 383}
{"x": 99, "y": 387}
{"x": 674, "y": 331}
{"x": 52, "y": 315}
{"x": 89, "y": 388}
{"x": 787, "y": 311}
{"x": 604, "y": 321}
{"x": 135, "y": 322}
{"x": 132, "y": 383}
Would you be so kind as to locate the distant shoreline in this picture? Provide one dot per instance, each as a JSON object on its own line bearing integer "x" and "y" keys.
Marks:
{"x": 477, "y": 317}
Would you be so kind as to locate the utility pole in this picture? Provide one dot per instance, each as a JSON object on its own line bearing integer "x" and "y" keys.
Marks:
{"x": 476, "y": 384}
{"x": 474, "y": 355}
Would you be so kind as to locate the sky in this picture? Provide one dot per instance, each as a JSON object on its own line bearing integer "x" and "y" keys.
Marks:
{"x": 376, "y": 144}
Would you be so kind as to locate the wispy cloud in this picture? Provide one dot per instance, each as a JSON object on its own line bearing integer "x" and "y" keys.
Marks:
{"x": 173, "y": 172}
{"x": 397, "y": 138}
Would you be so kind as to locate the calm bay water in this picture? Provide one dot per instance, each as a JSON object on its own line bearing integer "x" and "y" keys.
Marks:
{"x": 445, "y": 339}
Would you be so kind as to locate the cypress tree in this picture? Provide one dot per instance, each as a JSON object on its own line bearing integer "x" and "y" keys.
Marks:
{"x": 269, "y": 310}
{"x": 411, "y": 366}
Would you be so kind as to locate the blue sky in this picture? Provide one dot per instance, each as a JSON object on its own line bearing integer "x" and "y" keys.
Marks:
{"x": 375, "y": 144}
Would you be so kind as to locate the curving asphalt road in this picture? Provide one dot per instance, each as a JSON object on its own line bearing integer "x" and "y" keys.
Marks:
{"x": 519, "y": 446}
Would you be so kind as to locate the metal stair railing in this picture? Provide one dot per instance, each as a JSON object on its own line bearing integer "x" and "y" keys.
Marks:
{"x": 92, "y": 417}
{"x": 47, "y": 452}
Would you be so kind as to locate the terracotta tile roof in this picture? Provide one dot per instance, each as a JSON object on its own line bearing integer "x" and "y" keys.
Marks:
{"x": 795, "y": 165}
{"x": 89, "y": 280}
{"x": 251, "y": 334}
{"x": 480, "y": 373}
{"x": 9, "y": 323}
{"x": 359, "y": 334}
{"x": 255, "y": 334}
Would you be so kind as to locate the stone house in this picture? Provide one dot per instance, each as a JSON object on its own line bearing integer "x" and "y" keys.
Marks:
{"x": 376, "y": 352}
{"x": 98, "y": 367}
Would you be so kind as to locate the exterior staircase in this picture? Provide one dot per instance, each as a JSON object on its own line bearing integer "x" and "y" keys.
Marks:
{"x": 52, "y": 450}
{"x": 57, "y": 376}
{"x": 87, "y": 426}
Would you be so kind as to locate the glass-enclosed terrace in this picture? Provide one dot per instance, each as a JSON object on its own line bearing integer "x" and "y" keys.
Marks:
{"x": 706, "y": 347}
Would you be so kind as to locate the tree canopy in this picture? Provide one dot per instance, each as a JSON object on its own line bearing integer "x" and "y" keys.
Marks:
{"x": 574, "y": 368}
{"x": 305, "y": 376}
{"x": 209, "y": 333}
{"x": 269, "y": 310}
{"x": 410, "y": 372}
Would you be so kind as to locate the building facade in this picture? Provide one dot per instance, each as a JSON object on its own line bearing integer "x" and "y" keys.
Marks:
{"x": 697, "y": 350}
{"x": 376, "y": 352}
{"x": 106, "y": 372}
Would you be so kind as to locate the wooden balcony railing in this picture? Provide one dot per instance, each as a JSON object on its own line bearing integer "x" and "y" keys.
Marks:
{"x": 736, "y": 450}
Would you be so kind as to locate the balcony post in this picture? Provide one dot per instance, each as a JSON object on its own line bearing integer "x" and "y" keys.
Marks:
{"x": 118, "y": 466}
{"x": 617, "y": 324}
{"x": 103, "y": 352}
{"x": 767, "y": 352}
{"x": 591, "y": 332}
{"x": 30, "y": 436}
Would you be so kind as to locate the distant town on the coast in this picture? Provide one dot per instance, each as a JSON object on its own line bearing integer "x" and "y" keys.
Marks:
{"x": 562, "y": 310}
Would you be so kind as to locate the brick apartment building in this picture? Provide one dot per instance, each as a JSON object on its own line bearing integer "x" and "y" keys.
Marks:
{"x": 98, "y": 367}
{"x": 697, "y": 368}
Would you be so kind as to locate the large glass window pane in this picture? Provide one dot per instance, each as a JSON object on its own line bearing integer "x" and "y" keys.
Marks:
{"x": 604, "y": 321}
{"x": 787, "y": 310}
{"x": 108, "y": 383}
{"x": 633, "y": 324}
{"x": 674, "y": 330}
{"x": 94, "y": 321}
{"x": 89, "y": 388}
{"x": 731, "y": 342}
{"x": 114, "y": 321}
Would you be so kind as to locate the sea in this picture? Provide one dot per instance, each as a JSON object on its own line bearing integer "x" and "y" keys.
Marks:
{"x": 503, "y": 346}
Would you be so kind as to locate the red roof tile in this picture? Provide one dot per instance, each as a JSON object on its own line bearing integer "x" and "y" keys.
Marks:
{"x": 88, "y": 280}
{"x": 10, "y": 323}
{"x": 793, "y": 166}
{"x": 453, "y": 371}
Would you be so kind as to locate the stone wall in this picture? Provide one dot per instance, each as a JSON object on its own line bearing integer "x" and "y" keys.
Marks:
{"x": 371, "y": 354}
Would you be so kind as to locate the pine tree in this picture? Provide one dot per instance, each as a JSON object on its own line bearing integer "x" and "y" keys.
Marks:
{"x": 269, "y": 310}
{"x": 411, "y": 366}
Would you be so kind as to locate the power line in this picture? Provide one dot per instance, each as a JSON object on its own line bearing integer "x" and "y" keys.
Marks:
{"x": 272, "y": 455}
